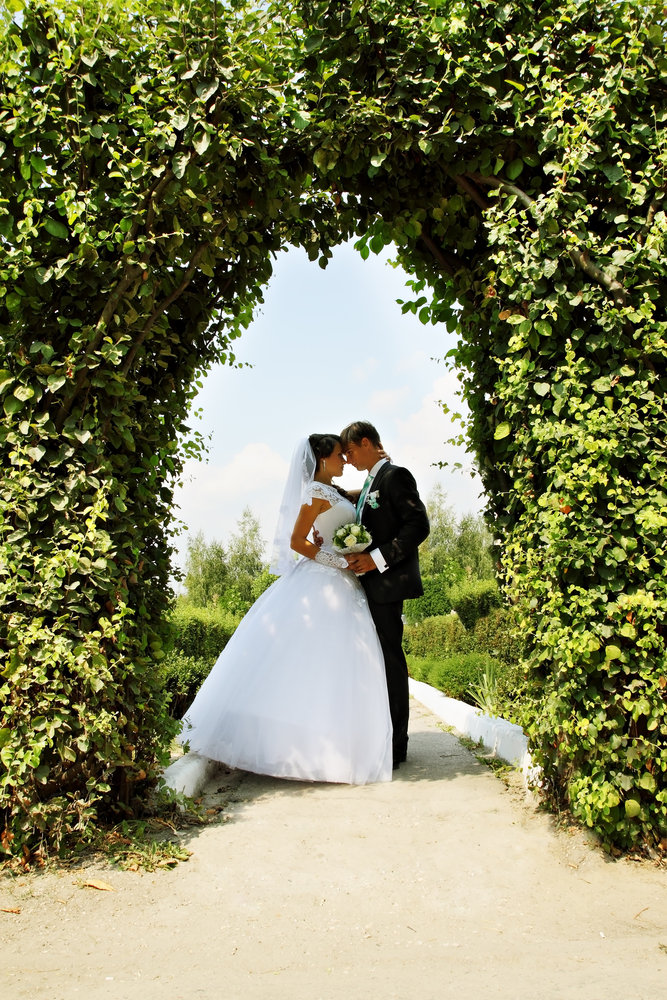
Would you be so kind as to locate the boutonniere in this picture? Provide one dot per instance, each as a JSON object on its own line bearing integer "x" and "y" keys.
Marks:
{"x": 372, "y": 499}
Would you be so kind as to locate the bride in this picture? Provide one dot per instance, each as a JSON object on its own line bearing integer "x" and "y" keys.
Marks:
{"x": 299, "y": 691}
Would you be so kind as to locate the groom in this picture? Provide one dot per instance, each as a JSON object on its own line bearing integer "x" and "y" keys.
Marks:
{"x": 390, "y": 507}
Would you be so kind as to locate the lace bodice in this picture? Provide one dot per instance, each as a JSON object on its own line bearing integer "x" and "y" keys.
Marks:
{"x": 341, "y": 511}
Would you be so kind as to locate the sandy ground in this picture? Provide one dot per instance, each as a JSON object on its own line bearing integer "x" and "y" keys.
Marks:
{"x": 443, "y": 883}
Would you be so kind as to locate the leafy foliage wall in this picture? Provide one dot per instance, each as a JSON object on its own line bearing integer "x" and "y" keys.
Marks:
{"x": 154, "y": 157}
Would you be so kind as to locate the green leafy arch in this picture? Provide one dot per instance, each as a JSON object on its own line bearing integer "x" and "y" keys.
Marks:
{"x": 154, "y": 159}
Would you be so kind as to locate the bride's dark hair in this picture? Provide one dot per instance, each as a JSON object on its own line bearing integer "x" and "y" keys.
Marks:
{"x": 322, "y": 445}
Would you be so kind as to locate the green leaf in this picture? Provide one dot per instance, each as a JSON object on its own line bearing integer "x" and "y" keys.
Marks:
{"x": 180, "y": 120}
{"x": 515, "y": 83}
{"x": 12, "y": 405}
{"x": 514, "y": 169}
{"x": 55, "y": 382}
{"x": 613, "y": 173}
{"x": 201, "y": 142}
{"x": 325, "y": 159}
{"x": 647, "y": 782}
{"x": 301, "y": 119}
{"x": 541, "y": 388}
{"x": 38, "y": 164}
{"x": 502, "y": 431}
{"x": 207, "y": 90}
{"x": 179, "y": 164}
{"x": 55, "y": 228}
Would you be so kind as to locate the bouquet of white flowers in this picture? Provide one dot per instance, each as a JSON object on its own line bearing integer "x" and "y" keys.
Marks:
{"x": 351, "y": 538}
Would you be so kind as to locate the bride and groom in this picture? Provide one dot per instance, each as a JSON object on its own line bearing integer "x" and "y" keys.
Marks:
{"x": 313, "y": 685}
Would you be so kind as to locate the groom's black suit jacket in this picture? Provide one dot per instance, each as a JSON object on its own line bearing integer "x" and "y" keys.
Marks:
{"x": 397, "y": 521}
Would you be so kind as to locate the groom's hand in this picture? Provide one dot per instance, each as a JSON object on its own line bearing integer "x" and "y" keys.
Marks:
{"x": 317, "y": 538}
{"x": 360, "y": 562}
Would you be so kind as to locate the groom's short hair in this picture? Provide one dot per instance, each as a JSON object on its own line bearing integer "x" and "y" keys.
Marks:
{"x": 359, "y": 430}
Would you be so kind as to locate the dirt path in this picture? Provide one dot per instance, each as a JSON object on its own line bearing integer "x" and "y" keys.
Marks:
{"x": 442, "y": 883}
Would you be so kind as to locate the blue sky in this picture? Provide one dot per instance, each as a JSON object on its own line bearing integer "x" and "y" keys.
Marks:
{"x": 327, "y": 347}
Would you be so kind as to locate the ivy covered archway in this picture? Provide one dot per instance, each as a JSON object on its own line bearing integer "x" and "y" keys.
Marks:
{"x": 154, "y": 157}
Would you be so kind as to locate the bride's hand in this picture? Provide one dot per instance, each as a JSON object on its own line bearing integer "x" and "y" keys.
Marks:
{"x": 383, "y": 454}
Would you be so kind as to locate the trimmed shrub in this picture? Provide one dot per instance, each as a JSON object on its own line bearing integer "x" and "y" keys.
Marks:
{"x": 435, "y": 637}
{"x": 434, "y": 601}
{"x": 182, "y": 677}
{"x": 454, "y": 675}
{"x": 498, "y": 635}
{"x": 475, "y": 600}
{"x": 202, "y": 633}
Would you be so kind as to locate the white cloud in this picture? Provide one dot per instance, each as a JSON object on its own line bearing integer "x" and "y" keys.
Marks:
{"x": 421, "y": 440}
{"x": 211, "y": 498}
{"x": 365, "y": 371}
{"x": 386, "y": 400}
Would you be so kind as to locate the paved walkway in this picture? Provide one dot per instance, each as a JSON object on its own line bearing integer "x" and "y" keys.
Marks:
{"x": 442, "y": 883}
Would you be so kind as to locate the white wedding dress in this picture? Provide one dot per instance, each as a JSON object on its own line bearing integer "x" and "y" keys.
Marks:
{"x": 299, "y": 691}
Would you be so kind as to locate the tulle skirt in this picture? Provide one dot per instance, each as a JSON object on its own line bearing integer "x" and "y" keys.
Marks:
{"x": 299, "y": 691}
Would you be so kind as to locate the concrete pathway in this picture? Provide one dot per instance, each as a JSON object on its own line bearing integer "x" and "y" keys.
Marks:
{"x": 443, "y": 883}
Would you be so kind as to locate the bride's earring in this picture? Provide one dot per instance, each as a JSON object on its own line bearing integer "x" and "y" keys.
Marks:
{"x": 324, "y": 464}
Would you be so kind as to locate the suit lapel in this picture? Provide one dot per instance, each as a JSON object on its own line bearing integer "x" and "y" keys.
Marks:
{"x": 369, "y": 511}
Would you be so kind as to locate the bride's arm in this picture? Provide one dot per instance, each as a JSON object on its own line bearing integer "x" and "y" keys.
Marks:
{"x": 303, "y": 525}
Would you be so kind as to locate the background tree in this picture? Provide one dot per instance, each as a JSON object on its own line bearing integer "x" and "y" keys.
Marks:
{"x": 206, "y": 570}
{"x": 436, "y": 552}
{"x": 245, "y": 555}
{"x": 226, "y": 574}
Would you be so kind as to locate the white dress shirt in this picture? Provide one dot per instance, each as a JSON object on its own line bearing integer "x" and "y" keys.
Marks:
{"x": 375, "y": 554}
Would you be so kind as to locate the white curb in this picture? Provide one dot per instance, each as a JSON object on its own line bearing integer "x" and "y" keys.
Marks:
{"x": 502, "y": 738}
{"x": 189, "y": 774}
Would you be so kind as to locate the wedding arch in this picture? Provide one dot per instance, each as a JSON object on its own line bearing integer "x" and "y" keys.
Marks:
{"x": 154, "y": 157}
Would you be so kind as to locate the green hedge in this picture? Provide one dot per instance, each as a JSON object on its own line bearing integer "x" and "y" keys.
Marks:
{"x": 182, "y": 677}
{"x": 202, "y": 633}
{"x": 474, "y": 600}
{"x": 434, "y": 601}
{"x": 498, "y": 634}
{"x": 199, "y": 636}
{"x": 454, "y": 675}
{"x": 435, "y": 637}
{"x": 443, "y": 653}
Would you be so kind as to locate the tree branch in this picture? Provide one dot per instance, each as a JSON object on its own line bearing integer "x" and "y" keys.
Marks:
{"x": 443, "y": 259}
{"x": 580, "y": 258}
{"x": 130, "y": 275}
{"x": 164, "y": 305}
{"x": 471, "y": 191}
{"x": 650, "y": 216}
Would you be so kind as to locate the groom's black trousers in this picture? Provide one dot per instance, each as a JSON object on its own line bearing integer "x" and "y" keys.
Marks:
{"x": 388, "y": 620}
